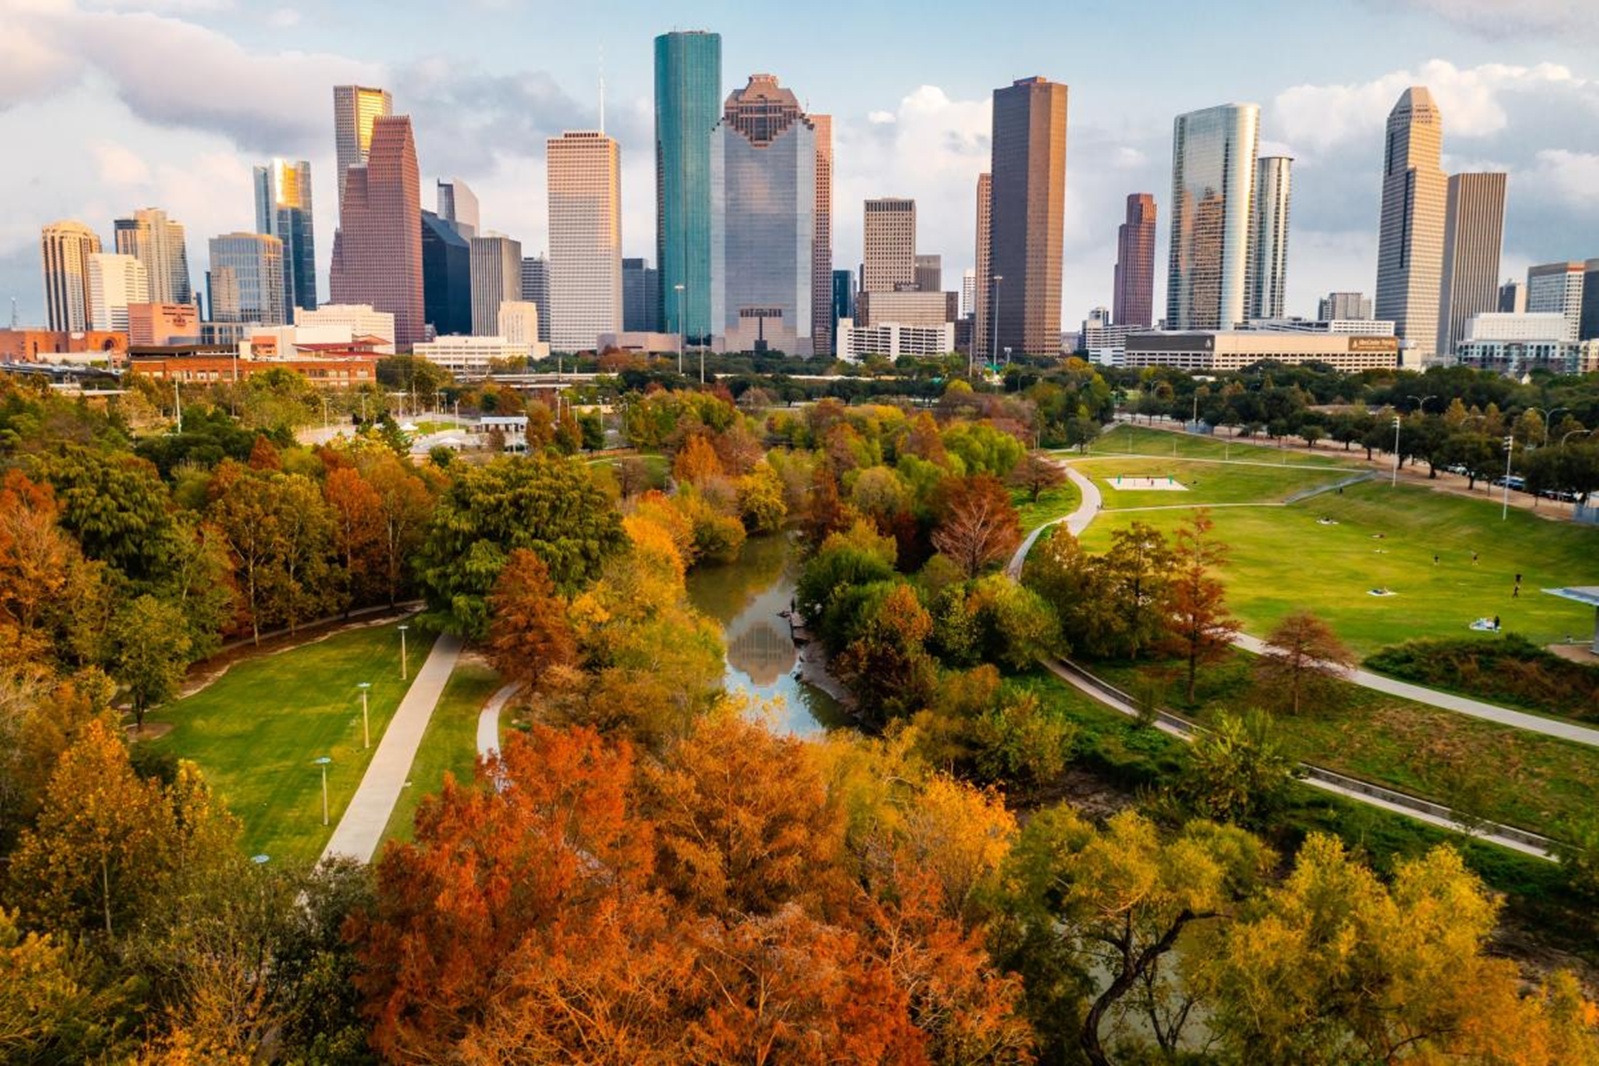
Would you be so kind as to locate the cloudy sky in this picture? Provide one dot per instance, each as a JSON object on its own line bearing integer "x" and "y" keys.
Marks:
{"x": 110, "y": 105}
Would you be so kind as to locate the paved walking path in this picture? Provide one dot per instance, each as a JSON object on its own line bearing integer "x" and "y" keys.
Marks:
{"x": 361, "y": 827}
{"x": 488, "y": 720}
{"x": 1490, "y": 832}
{"x": 1079, "y": 520}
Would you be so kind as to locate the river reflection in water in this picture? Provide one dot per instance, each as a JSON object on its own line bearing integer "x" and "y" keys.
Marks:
{"x": 745, "y": 597}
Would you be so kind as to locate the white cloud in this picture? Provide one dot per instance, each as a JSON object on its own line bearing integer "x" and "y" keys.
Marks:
{"x": 118, "y": 166}
{"x": 283, "y": 18}
{"x": 1497, "y": 19}
{"x": 1572, "y": 178}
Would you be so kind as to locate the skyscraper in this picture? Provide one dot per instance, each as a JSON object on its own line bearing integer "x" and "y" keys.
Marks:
{"x": 1474, "y": 231}
{"x": 157, "y": 242}
{"x": 843, "y": 299}
{"x": 246, "y": 279}
{"x": 585, "y": 191}
{"x": 496, "y": 277}
{"x": 1268, "y": 236}
{"x": 968, "y": 293}
{"x": 355, "y": 109}
{"x": 890, "y": 240}
{"x": 1028, "y": 213}
{"x": 981, "y": 331}
{"x": 1513, "y": 297}
{"x": 1133, "y": 302}
{"x": 446, "y": 277}
{"x": 1344, "y": 306}
{"x": 1410, "y": 242}
{"x": 822, "y": 324}
{"x": 458, "y": 206}
{"x": 1213, "y": 179}
{"x": 929, "y": 273}
{"x": 1556, "y": 288}
{"x": 771, "y": 167}
{"x": 115, "y": 281}
{"x": 688, "y": 102}
{"x": 65, "y": 248}
{"x": 377, "y": 251}
{"x": 1588, "y": 326}
{"x": 536, "y": 289}
{"x": 641, "y": 297}
{"x": 283, "y": 209}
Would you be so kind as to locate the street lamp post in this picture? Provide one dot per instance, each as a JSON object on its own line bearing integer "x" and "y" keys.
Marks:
{"x": 1548, "y": 418}
{"x": 1421, "y": 401}
{"x": 366, "y": 725}
{"x": 323, "y": 764}
{"x": 1395, "y": 479}
{"x": 404, "y": 663}
{"x": 682, "y": 328}
{"x": 1510, "y": 449}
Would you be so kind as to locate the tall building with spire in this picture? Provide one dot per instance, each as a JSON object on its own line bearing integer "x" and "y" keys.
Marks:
{"x": 157, "y": 242}
{"x": 1474, "y": 233}
{"x": 1213, "y": 180}
{"x": 585, "y": 191}
{"x": 377, "y": 251}
{"x": 1027, "y": 224}
{"x": 1268, "y": 236}
{"x": 1410, "y": 242}
{"x": 771, "y": 222}
{"x": 1133, "y": 302}
{"x": 283, "y": 210}
{"x": 688, "y": 104}
{"x": 65, "y": 248}
{"x": 356, "y": 108}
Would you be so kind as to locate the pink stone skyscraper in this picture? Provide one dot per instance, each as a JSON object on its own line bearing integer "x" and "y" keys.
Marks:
{"x": 377, "y": 251}
{"x": 1133, "y": 303}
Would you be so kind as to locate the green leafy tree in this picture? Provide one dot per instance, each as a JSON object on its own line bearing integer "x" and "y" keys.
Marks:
{"x": 549, "y": 506}
{"x": 1238, "y": 771}
{"x": 150, "y": 649}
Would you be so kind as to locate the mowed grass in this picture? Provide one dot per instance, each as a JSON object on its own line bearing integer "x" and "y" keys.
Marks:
{"x": 1204, "y": 482}
{"x": 448, "y": 746}
{"x": 1051, "y": 504}
{"x": 1142, "y": 440}
{"x": 255, "y": 731}
{"x": 1284, "y": 559}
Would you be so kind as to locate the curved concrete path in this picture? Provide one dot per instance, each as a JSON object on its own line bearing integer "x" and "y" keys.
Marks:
{"x": 361, "y": 827}
{"x": 1079, "y": 520}
{"x": 488, "y": 720}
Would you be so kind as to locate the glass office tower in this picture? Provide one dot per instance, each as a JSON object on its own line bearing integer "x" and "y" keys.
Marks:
{"x": 283, "y": 209}
{"x": 1213, "y": 180}
{"x": 688, "y": 104}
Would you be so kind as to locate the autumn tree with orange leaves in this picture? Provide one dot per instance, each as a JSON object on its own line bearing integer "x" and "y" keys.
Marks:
{"x": 529, "y": 633}
{"x": 979, "y": 526}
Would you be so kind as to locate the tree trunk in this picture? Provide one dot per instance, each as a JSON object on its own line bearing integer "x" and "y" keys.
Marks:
{"x": 105, "y": 892}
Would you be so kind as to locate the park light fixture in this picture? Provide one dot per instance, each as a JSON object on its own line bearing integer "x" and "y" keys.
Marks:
{"x": 323, "y": 763}
{"x": 366, "y": 726}
{"x": 404, "y": 663}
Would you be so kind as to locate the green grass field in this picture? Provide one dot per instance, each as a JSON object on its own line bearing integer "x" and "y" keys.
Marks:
{"x": 1377, "y": 536}
{"x": 1204, "y": 482}
{"x": 448, "y": 746}
{"x": 1142, "y": 440}
{"x": 1052, "y": 504}
{"x": 255, "y": 731}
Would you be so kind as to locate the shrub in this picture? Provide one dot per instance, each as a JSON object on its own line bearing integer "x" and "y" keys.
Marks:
{"x": 1510, "y": 669}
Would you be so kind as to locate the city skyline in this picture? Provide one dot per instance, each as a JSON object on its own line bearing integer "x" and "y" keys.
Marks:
{"x": 904, "y": 128}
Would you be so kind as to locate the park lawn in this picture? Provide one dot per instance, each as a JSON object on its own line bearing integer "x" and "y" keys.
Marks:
{"x": 1283, "y": 560}
{"x": 1052, "y": 503}
{"x": 448, "y": 746}
{"x": 1487, "y": 770}
{"x": 255, "y": 731}
{"x": 1142, "y": 440}
{"x": 1206, "y": 482}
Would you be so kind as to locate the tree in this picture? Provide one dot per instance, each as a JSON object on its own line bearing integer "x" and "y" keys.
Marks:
{"x": 52, "y": 1008}
{"x": 825, "y": 512}
{"x": 696, "y": 462}
{"x": 1136, "y": 576}
{"x": 1200, "y": 630}
{"x": 528, "y": 629}
{"x": 979, "y": 525}
{"x": 886, "y": 665}
{"x": 1302, "y": 653}
{"x": 1238, "y": 771}
{"x": 1116, "y": 900}
{"x": 358, "y": 531}
{"x": 37, "y": 560}
{"x": 760, "y": 499}
{"x": 550, "y": 506}
{"x": 405, "y": 505}
{"x": 149, "y": 651}
{"x": 1037, "y": 472}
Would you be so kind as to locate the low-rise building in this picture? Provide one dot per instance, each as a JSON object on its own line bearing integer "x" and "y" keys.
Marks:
{"x": 893, "y": 339}
{"x": 470, "y": 357}
{"x": 151, "y": 324}
{"x": 1222, "y": 350}
{"x": 31, "y": 345}
{"x": 207, "y": 364}
{"x": 1518, "y": 326}
{"x": 1518, "y": 358}
{"x": 360, "y": 319}
{"x": 907, "y": 308}
{"x": 647, "y": 343}
{"x": 1349, "y": 327}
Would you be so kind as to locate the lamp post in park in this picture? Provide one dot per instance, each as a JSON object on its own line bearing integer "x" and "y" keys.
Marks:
{"x": 1510, "y": 449}
{"x": 1395, "y": 480}
{"x": 366, "y": 726}
{"x": 404, "y": 665}
{"x": 323, "y": 763}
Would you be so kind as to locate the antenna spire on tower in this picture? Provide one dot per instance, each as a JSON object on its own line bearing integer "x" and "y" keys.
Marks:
{"x": 602, "y": 88}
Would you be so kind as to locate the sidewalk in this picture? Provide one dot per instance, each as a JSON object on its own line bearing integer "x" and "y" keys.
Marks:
{"x": 360, "y": 828}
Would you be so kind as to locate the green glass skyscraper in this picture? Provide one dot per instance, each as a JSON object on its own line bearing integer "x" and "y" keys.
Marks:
{"x": 688, "y": 105}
